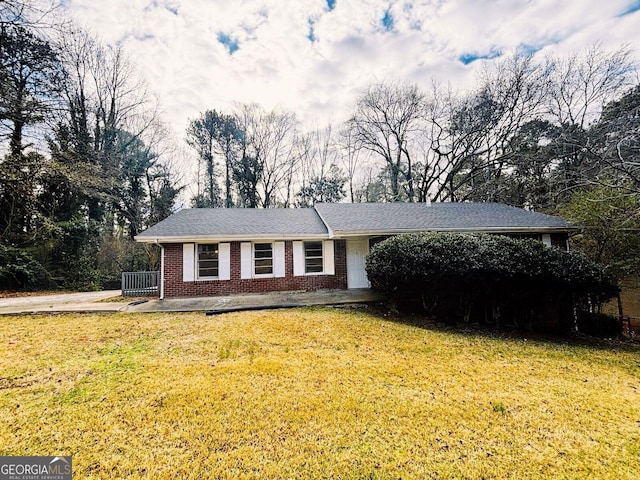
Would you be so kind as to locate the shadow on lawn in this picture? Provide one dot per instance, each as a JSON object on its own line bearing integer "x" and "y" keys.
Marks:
{"x": 489, "y": 331}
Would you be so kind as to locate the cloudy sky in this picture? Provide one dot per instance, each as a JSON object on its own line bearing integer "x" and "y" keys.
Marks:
{"x": 314, "y": 56}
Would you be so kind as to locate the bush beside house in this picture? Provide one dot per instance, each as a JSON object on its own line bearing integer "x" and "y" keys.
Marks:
{"x": 488, "y": 279}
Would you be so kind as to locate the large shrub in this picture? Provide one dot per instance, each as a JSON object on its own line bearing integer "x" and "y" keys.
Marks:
{"x": 487, "y": 278}
{"x": 19, "y": 270}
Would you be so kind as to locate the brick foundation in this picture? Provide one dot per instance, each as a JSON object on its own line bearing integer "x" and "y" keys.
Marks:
{"x": 175, "y": 287}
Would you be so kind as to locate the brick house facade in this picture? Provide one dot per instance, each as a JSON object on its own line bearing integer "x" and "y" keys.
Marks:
{"x": 174, "y": 286}
{"x": 220, "y": 251}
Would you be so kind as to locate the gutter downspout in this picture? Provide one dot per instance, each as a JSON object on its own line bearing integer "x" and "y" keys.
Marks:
{"x": 326, "y": 224}
{"x": 161, "y": 296}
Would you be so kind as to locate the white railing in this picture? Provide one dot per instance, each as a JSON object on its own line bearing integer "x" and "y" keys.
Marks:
{"x": 140, "y": 284}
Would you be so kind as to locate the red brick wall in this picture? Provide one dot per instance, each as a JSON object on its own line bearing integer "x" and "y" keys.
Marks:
{"x": 175, "y": 287}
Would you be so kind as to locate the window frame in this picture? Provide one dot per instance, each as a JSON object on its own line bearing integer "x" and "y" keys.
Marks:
{"x": 198, "y": 260}
{"x": 254, "y": 259}
{"x": 305, "y": 257}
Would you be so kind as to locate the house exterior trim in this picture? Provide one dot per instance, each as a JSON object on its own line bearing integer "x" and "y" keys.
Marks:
{"x": 500, "y": 230}
{"x": 226, "y": 238}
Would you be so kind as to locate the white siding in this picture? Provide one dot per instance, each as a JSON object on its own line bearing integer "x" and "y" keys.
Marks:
{"x": 224, "y": 261}
{"x": 298, "y": 259}
{"x": 278, "y": 260}
{"x": 246, "y": 260}
{"x": 188, "y": 262}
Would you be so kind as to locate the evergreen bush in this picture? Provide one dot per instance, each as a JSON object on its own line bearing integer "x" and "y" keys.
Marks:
{"x": 19, "y": 270}
{"x": 487, "y": 278}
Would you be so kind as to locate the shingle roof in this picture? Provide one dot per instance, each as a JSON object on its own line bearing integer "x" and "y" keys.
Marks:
{"x": 398, "y": 217}
{"x": 238, "y": 223}
{"x": 347, "y": 219}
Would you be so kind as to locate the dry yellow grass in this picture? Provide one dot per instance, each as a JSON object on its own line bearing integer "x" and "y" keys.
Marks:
{"x": 312, "y": 393}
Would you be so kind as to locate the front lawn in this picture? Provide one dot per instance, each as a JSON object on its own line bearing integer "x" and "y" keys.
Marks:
{"x": 312, "y": 393}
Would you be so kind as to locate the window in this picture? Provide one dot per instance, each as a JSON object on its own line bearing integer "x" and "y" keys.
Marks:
{"x": 313, "y": 257}
{"x": 208, "y": 260}
{"x": 559, "y": 240}
{"x": 263, "y": 258}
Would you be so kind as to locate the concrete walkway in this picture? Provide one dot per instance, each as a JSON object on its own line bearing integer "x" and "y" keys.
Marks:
{"x": 257, "y": 301}
{"x": 63, "y": 302}
{"x": 99, "y": 302}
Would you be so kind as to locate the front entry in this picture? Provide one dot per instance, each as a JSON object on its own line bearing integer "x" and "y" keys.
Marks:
{"x": 357, "y": 250}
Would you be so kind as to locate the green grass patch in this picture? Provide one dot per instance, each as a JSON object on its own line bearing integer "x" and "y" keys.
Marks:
{"x": 313, "y": 393}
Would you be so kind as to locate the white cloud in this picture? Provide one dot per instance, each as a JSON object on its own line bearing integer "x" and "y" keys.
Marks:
{"x": 175, "y": 44}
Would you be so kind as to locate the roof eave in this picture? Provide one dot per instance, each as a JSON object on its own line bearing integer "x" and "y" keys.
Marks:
{"x": 224, "y": 238}
{"x": 368, "y": 233}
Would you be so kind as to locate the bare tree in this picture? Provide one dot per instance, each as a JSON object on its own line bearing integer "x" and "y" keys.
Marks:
{"x": 122, "y": 98}
{"x": 319, "y": 153}
{"x": 386, "y": 120}
{"x": 269, "y": 157}
{"x": 617, "y": 139}
{"x": 351, "y": 159}
{"x": 321, "y": 177}
{"x": 34, "y": 15}
{"x": 471, "y": 136}
{"x": 276, "y": 139}
{"x": 582, "y": 83}
{"x": 108, "y": 114}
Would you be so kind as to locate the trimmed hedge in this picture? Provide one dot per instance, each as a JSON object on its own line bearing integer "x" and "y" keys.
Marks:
{"x": 487, "y": 278}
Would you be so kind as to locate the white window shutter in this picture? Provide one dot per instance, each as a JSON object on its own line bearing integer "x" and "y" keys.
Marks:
{"x": 298, "y": 259}
{"x": 278, "y": 260}
{"x": 224, "y": 261}
{"x": 188, "y": 262}
{"x": 246, "y": 260}
{"x": 328, "y": 260}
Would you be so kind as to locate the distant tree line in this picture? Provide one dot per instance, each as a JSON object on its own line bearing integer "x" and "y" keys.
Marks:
{"x": 557, "y": 135}
{"x": 84, "y": 167}
{"x": 85, "y": 163}
{"x": 254, "y": 158}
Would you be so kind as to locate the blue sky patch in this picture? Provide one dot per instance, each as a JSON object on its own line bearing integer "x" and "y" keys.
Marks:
{"x": 312, "y": 33}
{"x": 387, "y": 21}
{"x": 467, "y": 58}
{"x": 527, "y": 49}
{"x": 228, "y": 42}
{"x": 331, "y": 4}
{"x": 633, "y": 7}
